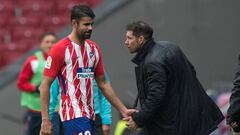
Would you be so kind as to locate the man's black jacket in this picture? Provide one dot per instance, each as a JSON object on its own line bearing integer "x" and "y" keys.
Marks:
{"x": 173, "y": 102}
{"x": 233, "y": 114}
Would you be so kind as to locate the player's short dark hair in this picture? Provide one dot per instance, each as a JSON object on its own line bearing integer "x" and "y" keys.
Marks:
{"x": 79, "y": 11}
{"x": 140, "y": 28}
{"x": 47, "y": 34}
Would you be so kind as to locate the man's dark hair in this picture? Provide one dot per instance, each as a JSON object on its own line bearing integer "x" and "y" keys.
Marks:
{"x": 47, "y": 34}
{"x": 79, "y": 11}
{"x": 141, "y": 28}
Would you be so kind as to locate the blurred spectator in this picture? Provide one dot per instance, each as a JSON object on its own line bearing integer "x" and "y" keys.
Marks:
{"x": 28, "y": 83}
{"x": 55, "y": 91}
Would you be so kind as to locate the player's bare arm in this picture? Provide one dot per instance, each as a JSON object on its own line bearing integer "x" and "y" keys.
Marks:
{"x": 46, "y": 127}
{"x": 109, "y": 93}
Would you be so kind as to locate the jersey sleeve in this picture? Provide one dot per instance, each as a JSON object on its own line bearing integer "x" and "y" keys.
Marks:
{"x": 54, "y": 62}
{"x": 25, "y": 76}
{"x": 99, "y": 65}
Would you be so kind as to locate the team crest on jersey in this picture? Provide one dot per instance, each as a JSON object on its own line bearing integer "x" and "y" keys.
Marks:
{"x": 84, "y": 73}
{"x": 48, "y": 62}
{"x": 91, "y": 54}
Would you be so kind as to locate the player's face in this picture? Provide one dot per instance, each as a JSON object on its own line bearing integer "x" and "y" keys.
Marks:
{"x": 132, "y": 42}
{"x": 84, "y": 28}
{"x": 47, "y": 42}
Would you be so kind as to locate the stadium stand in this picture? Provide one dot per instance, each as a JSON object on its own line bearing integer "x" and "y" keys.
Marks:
{"x": 23, "y": 22}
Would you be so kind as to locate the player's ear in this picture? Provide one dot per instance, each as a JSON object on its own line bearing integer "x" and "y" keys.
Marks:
{"x": 74, "y": 23}
{"x": 141, "y": 39}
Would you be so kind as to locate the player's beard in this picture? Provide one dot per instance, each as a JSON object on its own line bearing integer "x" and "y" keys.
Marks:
{"x": 84, "y": 35}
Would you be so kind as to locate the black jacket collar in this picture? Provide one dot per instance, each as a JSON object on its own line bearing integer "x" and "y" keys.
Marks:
{"x": 143, "y": 51}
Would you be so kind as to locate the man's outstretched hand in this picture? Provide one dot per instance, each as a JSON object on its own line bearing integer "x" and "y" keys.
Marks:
{"x": 129, "y": 112}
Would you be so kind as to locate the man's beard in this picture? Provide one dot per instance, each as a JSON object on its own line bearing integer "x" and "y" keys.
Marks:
{"x": 85, "y": 35}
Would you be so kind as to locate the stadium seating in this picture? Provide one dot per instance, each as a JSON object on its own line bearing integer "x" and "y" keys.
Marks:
{"x": 24, "y": 21}
{"x": 7, "y": 7}
{"x": 54, "y": 23}
{"x": 3, "y": 35}
{"x": 39, "y": 8}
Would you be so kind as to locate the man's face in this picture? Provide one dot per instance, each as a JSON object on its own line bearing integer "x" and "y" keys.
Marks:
{"x": 84, "y": 28}
{"x": 47, "y": 42}
{"x": 132, "y": 42}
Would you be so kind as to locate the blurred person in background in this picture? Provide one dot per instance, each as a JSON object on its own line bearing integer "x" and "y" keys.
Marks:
{"x": 172, "y": 100}
{"x": 55, "y": 91}
{"x": 28, "y": 83}
{"x": 76, "y": 61}
{"x": 233, "y": 113}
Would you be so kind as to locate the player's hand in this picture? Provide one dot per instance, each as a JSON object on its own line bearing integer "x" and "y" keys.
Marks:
{"x": 129, "y": 112}
{"x": 106, "y": 129}
{"x": 131, "y": 124}
{"x": 46, "y": 127}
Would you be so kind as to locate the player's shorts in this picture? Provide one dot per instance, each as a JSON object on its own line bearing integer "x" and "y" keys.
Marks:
{"x": 78, "y": 126}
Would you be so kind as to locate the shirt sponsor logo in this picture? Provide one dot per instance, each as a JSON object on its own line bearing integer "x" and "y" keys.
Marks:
{"x": 48, "y": 62}
{"x": 83, "y": 73}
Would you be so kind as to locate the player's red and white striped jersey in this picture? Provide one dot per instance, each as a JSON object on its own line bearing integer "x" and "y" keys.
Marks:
{"x": 75, "y": 65}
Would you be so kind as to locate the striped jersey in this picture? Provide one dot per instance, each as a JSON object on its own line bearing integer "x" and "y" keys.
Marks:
{"x": 75, "y": 66}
